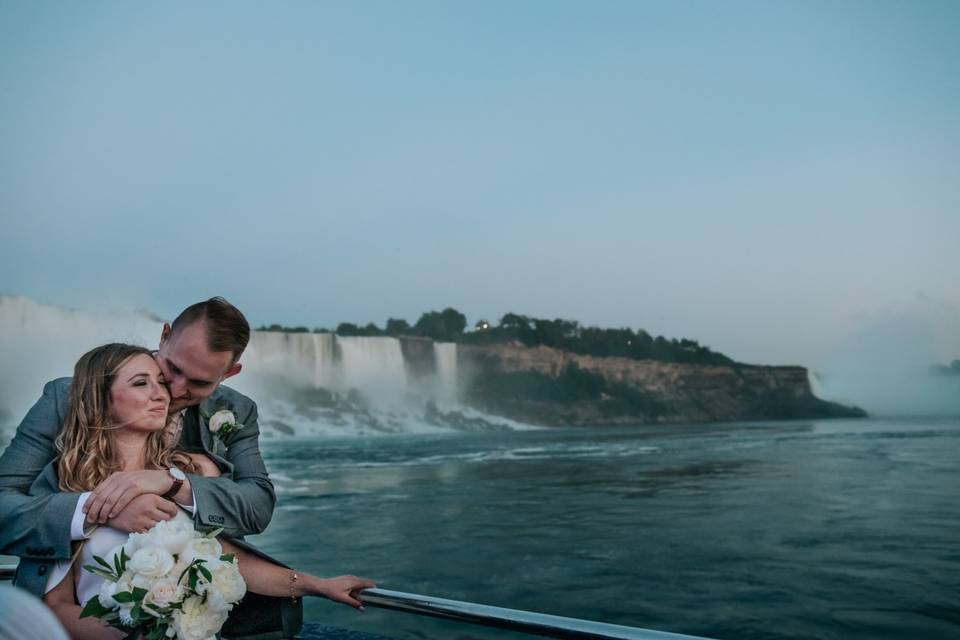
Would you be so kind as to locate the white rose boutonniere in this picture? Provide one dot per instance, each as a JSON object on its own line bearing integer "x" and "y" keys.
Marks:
{"x": 223, "y": 423}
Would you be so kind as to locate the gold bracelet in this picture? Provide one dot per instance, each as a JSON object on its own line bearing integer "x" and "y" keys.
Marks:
{"x": 293, "y": 580}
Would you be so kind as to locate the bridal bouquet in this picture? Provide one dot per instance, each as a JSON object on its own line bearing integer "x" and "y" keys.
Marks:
{"x": 170, "y": 582}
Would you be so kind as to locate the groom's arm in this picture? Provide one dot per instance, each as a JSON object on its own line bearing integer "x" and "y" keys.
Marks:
{"x": 35, "y": 526}
{"x": 241, "y": 502}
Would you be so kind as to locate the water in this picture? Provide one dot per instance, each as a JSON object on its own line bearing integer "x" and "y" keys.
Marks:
{"x": 834, "y": 529}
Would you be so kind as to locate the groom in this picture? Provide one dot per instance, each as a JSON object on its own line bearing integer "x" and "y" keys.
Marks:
{"x": 197, "y": 352}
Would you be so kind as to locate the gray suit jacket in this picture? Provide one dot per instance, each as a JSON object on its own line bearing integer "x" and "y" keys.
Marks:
{"x": 35, "y": 518}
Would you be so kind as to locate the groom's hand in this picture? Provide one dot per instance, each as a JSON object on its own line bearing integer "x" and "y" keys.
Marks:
{"x": 111, "y": 496}
{"x": 142, "y": 513}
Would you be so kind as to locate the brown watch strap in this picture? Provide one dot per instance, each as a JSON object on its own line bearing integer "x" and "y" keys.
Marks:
{"x": 172, "y": 491}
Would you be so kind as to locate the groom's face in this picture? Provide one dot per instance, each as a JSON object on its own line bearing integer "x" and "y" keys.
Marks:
{"x": 191, "y": 369}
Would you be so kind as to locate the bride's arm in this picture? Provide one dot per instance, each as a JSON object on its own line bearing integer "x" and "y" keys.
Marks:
{"x": 112, "y": 496}
{"x": 269, "y": 579}
{"x": 61, "y": 601}
{"x": 208, "y": 468}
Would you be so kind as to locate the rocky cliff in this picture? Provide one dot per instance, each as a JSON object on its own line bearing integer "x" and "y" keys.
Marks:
{"x": 548, "y": 386}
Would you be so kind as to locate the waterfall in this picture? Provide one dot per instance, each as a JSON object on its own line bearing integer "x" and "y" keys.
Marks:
{"x": 369, "y": 365}
{"x": 323, "y": 351}
{"x": 373, "y": 366}
{"x": 295, "y": 358}
{"x": 445, "y": 357}
{"x": 304, "y": 383}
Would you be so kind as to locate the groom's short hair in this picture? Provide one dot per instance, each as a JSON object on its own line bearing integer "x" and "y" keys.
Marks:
{"x": 227, "y": 328}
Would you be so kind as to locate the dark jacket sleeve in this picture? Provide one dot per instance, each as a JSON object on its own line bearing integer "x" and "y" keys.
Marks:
{"x": 35, "y": 526}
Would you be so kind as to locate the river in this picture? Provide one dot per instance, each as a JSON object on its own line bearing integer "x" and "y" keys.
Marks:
{"x": 773, "y": 530}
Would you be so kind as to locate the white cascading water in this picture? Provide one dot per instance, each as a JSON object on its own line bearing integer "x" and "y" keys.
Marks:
{"x": 301, "y": 357}
{"x": 375, "y": 367}
{"x": 304, "y": 383}
{"x": 445, "y": 360}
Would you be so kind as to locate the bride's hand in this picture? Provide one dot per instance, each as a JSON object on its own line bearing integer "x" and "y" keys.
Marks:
{"x": 343, "y": 589}
{"x": 113, "y": 494}
{"x": 143, "y": 513}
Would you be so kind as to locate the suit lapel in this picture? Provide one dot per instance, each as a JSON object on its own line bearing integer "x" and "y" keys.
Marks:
{"x": 195, "y": 435}
{"x": 192, "y": 434}
{"x": 208, "y": 407}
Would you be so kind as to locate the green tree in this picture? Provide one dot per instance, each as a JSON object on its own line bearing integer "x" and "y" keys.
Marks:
{"x": 398, "y": 327}
{"x": 348, "y": 329}
{"x": 443, "y": 326}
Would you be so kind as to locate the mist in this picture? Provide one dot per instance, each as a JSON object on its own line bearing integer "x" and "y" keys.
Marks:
{"x": 887, "y": 365}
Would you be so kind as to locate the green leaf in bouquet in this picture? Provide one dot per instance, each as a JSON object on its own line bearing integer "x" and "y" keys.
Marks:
{"x": 103, "y": 562}
{"x": 157, "y": 632}
{"x": 227, "y": 557}
{"x": 97, "y": 571}
{"x": 189, "y": 570}
{"x": 205, "y": 572}
{"x": 214, "y": 533}
{"x": 138, "y": 593}
{"x": 192, "y": 582}
{"x": 94, "y": 608}
{"x": 141, "y": 615}
{"x": 124, "y": 597}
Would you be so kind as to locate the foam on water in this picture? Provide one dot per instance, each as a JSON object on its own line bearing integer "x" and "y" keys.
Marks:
{"x": 555, "y": 452}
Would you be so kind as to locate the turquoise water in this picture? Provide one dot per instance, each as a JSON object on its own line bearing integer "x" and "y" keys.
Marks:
{"x": 833, "y": 529}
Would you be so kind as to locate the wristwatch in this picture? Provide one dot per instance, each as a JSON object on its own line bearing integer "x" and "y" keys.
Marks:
{"x": 178, "y": 478}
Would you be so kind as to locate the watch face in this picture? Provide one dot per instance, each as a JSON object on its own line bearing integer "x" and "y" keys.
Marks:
{"x": 177, "y": 474}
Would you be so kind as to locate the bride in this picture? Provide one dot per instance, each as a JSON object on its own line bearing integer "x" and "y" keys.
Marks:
{"x": 116, "y": 422}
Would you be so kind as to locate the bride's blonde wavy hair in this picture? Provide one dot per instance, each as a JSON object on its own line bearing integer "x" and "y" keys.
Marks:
{"x": 87, "y": 454}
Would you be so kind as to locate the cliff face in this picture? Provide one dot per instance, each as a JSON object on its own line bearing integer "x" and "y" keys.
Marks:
{"x": 547, "y": 386}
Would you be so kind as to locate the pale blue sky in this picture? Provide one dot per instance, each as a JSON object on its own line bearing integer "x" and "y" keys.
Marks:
{"x": 769, "y": 178}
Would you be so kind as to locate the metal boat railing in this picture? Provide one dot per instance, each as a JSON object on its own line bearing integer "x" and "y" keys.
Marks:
{"x": 539, "y": 624}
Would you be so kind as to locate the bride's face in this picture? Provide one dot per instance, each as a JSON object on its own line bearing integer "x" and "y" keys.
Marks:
{"x": 138, "y": 397}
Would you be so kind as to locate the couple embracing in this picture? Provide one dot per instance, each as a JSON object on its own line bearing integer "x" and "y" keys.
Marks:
{"x": 141, "y": 438}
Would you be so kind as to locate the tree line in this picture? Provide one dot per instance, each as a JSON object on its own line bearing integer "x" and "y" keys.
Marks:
{"x": 450, "y": 325}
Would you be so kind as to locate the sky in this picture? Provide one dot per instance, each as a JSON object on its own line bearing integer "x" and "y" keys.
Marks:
{"x": 777, "y": 180}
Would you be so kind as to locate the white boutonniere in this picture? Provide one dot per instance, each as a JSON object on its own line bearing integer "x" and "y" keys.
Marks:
{"x": 223, "y": 423}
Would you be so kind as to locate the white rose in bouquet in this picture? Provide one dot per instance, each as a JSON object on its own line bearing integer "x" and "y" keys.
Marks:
{"x": 171, "y": 535}
{"x": 196, "y": 621}
{"x": 178, "y": 567}
{"x": 202, "y": 548}
{"x": 107, "y": 590}
{"x": 163, "y": 593}
{"x": 227, "y": 586}
{"x": 151, "y": 562}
